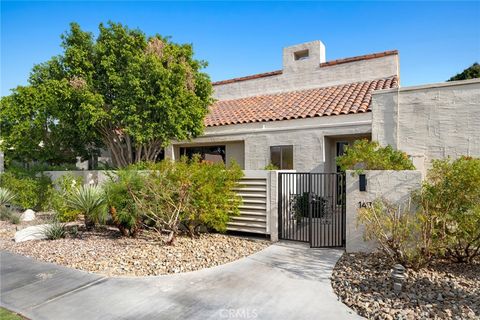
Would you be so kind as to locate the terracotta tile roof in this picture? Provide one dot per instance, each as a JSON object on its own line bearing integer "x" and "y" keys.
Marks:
{"x": 324, "y": 64}
{"x": 326, "y": 101}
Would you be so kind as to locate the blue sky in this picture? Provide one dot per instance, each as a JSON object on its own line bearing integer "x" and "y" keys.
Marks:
{"x": 435, "y": 39}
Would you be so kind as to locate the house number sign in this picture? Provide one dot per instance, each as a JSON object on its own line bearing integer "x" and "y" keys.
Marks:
{"x": 364, "y": 204}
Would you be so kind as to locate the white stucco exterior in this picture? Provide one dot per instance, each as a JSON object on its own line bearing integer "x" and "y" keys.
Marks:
{"x": 392, "y": 186}
{"x": 309, "y": 138}
{"x": 429, "y": 122}
{"x": 313, "y": 139}
{"x": 309, "y": 73}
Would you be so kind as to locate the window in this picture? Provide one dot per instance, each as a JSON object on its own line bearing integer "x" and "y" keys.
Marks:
{"x": 301, "y": 55}
{"x": 282, "y": 157}
{"x": 208, "y": 153}
{"x": 340, "y": 146}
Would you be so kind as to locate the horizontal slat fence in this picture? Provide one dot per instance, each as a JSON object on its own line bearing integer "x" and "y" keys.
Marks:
{"x": 253, "y": 189}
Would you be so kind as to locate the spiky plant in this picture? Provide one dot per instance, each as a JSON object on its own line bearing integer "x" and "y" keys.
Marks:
{"x": 6, "y": 196}
{"x": 55, "y": 231}
{"x": 90, "y": 201}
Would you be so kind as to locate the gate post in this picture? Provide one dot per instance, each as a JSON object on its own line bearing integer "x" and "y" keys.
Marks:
{"x": 275, "y": 190}
{"x": 310, "y": 208}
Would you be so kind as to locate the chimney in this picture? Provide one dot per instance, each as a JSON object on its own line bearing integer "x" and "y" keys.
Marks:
{"x": 303, "y": 57}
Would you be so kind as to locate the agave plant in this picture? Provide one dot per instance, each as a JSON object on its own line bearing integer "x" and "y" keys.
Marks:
{"x": 55, "y": 231}
{"x": 6, "y": 196}
{"x": 90, "y": 201}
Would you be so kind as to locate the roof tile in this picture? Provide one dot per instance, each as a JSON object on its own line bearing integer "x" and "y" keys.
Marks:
{"x": 343, "y": 99}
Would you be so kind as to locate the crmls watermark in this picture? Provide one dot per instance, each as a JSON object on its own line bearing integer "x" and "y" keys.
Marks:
{"x": 238, "y": 313}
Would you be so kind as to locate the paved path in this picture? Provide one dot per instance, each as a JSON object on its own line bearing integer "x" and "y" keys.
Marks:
{"x": 284, "y": 281}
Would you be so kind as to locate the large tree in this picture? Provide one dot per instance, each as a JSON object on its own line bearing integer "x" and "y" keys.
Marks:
{"x": 124, "y": 91}
{"x": 471, "y": 72}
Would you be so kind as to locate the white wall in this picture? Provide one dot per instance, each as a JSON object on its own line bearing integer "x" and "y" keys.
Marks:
{"x": 88, "y": 176}
{"x": 429, "y": 122}
{"x": 318, "y": 76}
{"x": 393, "y": 186}
{"x": 306, "y": 135}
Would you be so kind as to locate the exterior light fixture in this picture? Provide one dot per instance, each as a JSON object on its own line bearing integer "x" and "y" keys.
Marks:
{"x": 362, "y": 182}
{"x": 398, "y": 276}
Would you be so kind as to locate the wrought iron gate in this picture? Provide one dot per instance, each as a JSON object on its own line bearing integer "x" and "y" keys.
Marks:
{"x": 311, "y": 208}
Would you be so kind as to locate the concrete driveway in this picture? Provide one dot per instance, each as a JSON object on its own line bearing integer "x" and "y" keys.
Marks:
{"x": 284, "y": 281}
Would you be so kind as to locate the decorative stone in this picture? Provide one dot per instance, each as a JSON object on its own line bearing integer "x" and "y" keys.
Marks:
{"x": 28, "y": 215}
{"x": 31, "y": 233}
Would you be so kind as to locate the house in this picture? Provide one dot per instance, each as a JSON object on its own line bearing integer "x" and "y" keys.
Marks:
{"x": 303, "y": 116}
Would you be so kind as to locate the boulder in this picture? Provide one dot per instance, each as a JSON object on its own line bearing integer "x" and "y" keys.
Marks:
{"x": 31, "y": 233}
{"x": 28, "y": 215}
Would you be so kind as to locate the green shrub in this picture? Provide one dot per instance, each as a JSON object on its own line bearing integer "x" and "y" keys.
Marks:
{"x": 271, "y": 166}
{"x": 5, "y": 213}
{"x": 32, "y": 192}
{"x": 14, "y": 218}
{"x": 403, "y": 233}
{"x": 55, "y": 230}
{"x": 451, "y": 194}
{"x": 122, "y": 207}
{"x": 370, "y": 156}
{"x": 213, "y": 200}
{"x": 89, "y": 201}
{"x": 190, "y": 193}
{"x": 6, "y": 196}
{"x": 64, "y": 186}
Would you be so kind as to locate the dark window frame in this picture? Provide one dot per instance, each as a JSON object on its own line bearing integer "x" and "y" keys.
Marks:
{"x": 282, "y": 148}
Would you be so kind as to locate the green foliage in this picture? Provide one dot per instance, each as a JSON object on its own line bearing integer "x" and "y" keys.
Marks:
{"x": 64, "y": 186}
{"x": 122, "y": 206}
{"x": 5, "y": 213}
{"x": 6, "y": 196}
{"x": 368, "y": 155}
{"x": 213, "y": 200}
{"x": 301, "y": 206}
{"x": 190, "y": 193}
{"x": 55, "y": 230}
{"x": 451, "y": 194}
{"x": 405, "y": 235}
{"x": 89, "y": 201}
{"x": 9, "y": 315}
{"x": 271, "y": 166}
{"x": 121, "y": 90}
{"x": 14, "y": 218}
{"x": 31, "y": 190}
{"x": 471, "y": 72}
{"x": 445, "y": 223}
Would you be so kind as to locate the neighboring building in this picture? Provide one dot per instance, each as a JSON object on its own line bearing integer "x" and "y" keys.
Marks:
{"x": 302, "y": 116}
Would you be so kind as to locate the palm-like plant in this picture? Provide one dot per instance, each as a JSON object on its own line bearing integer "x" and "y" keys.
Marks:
{"x": 6, "y": 196}
{"x": 90, "y": 201}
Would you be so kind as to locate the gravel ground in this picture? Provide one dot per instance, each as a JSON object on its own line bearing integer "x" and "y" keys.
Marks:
{"x": 104, "y": 251}
{"x": 441, "y": 291}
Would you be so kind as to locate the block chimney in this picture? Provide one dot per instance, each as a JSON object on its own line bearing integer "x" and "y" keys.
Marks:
{"x": 303, "y": 57}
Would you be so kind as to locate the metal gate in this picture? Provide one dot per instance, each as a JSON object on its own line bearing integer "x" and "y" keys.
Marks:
{"x": 311, "y": 208}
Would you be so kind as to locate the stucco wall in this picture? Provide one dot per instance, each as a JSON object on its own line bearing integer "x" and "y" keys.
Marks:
{"x": 307, "y": 136}
{"x": 89, "y": 176}
{"x": 316, "y": 77}
{"x": 429, "y": 122}
{"x": 393, "y": 186}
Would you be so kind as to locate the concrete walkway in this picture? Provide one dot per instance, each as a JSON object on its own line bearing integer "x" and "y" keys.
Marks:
{"x": 284, "y": 281}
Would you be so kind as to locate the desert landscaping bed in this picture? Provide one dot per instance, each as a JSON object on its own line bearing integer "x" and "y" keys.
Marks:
{"x": 442, "y": 291}
{"x": 104, "y": 251}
